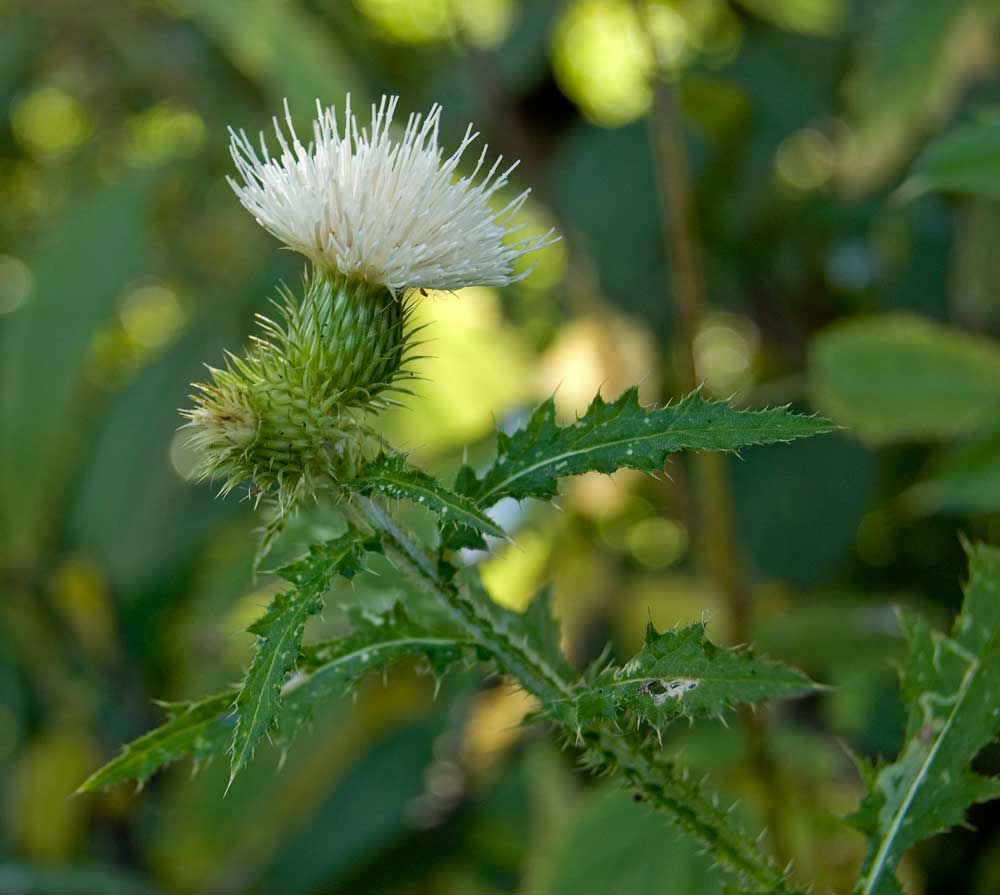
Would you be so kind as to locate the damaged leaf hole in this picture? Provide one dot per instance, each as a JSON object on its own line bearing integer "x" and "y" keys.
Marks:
{"x": 673, "y": 688}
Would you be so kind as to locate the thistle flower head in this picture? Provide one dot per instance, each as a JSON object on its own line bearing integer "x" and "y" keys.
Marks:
{"x": 391, "y": 212}
{"x": 376, "y": 217}
{"x": 288, "y": 415}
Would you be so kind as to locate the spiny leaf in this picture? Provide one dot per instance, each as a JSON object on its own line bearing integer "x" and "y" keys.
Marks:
{"x": 682, "y": 673}
{"x": 279, "y": 637}
{"x": 203, "y": 729}
{"x": 621, "y": 434}
{"x": 392, "y": 476}
{"x": 950, "y": 686}
{"x": 377, "y": 641}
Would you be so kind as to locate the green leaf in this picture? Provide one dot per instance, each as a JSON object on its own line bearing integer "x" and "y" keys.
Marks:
{"x": 683, "y": 674}
{"x": 904, "y": 60}
{"x": 612, "y": 845}
{"x": 204, "y": 729}
{"x": 71, "y": 878}
{"x": 950, "y": 687}
{"x": 377, "y": 641}
{"x": 965, "y": 480}
{"x": 966, "y": 160}
{"x": 392, "y": 476}
{"x": 896, "y": 377}
{"x": 621, "y": 434}
{"x": 279, "y": 636}
{"x": 905, "y": 71}
{"x": 43, "y": 352}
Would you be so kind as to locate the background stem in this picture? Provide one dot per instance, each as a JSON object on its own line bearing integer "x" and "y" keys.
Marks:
{"x": 713, "y": 508}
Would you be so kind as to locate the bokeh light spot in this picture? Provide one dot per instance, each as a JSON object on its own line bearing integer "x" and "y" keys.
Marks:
{"x": 16, "y": 283}
{"x": 604, "y": 55}
{"x": 408, "y": 21}
{"x": 602, "y": 62}
{"x": 50, "y": 122}
{"x": 485, "y": 23}
{"x": 474, "y": 368}
{"x": 820, "y": 17}
{"x": 852, "y": 265}
{"x": 514, "y": 575}
{"x": 162, "y": 133}
{"x": 183, "y": 457}
{"x": 806, "y": 160}
{"x": 725, "y": 349}
{"x": 152, "y": 314}
{"x": 656, "y": 543}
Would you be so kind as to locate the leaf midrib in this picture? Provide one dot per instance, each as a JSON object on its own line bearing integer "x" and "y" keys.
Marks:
{"x": 645, "y": 679}
{"x": 316, "y": 589}
{"x": 239, "y": 760}
{"x": 305, "y": 677}
{"x": 134, "y": 754}
{"x": 456, "y": 501}
{"x": 881, "y": 856}
{"x": 607, "y": 444}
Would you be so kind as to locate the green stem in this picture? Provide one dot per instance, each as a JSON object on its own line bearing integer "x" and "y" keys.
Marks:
{"x": 606, "y": 749}
{"x": 698, "y": 815}
{"x": 535, "y": 675}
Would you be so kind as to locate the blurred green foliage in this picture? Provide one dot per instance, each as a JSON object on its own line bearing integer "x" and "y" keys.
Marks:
{"x": 845, "y": 178}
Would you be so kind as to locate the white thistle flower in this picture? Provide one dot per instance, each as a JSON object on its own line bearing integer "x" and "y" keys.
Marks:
{"x": 388, "y": 212}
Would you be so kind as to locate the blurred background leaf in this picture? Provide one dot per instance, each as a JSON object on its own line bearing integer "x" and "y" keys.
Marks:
{"x": 964, "y": 160}
{"x": 613, "y": 845}
{"x": 894, "y": 378}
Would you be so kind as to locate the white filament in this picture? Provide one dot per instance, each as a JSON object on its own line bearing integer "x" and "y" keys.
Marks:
{"x": 390, "y": 212}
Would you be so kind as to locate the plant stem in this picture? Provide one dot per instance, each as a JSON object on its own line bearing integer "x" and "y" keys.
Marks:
{"x": 536, "y": 676}
{"x": 606, "y": 749}
{"x": 714, "y": 526}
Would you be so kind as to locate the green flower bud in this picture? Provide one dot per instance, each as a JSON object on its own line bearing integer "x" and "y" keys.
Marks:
{"x": 289, "y": 415}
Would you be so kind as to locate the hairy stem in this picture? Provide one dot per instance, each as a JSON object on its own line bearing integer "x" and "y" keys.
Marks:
{"x": 606, "y": 749}
{"x": 669, "y": 790}
{"x": 533, "y": 674}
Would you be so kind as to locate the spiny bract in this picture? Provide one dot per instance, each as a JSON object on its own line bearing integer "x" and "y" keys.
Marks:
{"x": 289, "y": 413}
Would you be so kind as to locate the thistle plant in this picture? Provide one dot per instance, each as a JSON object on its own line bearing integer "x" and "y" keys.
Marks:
{"x": 381, "y": 220}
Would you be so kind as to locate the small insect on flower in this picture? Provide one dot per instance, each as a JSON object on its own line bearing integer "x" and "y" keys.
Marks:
{"x": 389, "y": 212}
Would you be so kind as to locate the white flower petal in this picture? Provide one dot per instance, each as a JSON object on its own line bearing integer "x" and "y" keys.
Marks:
{"x": 391, "y": 212}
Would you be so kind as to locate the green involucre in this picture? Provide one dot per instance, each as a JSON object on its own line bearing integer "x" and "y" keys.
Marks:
{"x": 290, "y": 411}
